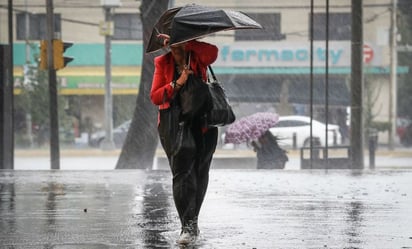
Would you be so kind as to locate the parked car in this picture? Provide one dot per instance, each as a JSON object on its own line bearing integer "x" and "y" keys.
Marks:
{"x": 119, "y": 135}
{"x": 300, "y": 126}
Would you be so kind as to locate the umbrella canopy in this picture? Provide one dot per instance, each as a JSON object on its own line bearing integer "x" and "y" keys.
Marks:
{"x": 194, "y": 21}
{"x": 250, "y": 127}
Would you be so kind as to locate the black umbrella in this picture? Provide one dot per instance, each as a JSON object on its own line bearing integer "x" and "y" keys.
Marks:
{"x": 194, "y": 21}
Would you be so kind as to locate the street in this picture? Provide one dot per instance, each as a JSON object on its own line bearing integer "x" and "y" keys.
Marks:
{"x": 244, "y": 208}
{"x": 223, "y": 159}
{"x": 321, "y": 91}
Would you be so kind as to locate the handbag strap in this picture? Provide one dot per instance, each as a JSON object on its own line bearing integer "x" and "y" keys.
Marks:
{"x": 213, "y": 73}
{"x": 198, "y": 72}
{"x": 210, "y": 68}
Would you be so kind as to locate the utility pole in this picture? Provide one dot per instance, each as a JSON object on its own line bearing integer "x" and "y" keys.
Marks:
{"x": 356, "y": 121}
{"x": 107, "y": 143}
{"x": 6, "y": 97}
{"x": 53, "y": 103}
{"x": 26, "y": 71}
{"x": 393, "y": 86}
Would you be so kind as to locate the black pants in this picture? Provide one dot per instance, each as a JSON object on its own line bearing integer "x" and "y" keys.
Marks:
{"x": 190, "y": 171}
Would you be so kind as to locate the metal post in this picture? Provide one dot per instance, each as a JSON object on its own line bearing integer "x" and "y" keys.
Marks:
{"x": 357, "y": 86}
{"x": 294, "y": 139}
{"x": 326, "y": 155}
{"x": 7, "y": 132}
{"x": 372, "y": 144}
{"x": 3, "y": 78}
{"x": 53, "y": 103}
{"x": 27, "y": 36}
{"x": 393, "y": 82}
{"x": 311, "y": 81}
{"x": 107, "y": 143}
{"x": 6, "y": 112}
{"x": 27, "y": 32}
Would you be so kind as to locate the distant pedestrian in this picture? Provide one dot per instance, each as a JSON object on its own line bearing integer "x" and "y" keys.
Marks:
{"x": 269, "y": 154}
{"x": 190, "y": 169}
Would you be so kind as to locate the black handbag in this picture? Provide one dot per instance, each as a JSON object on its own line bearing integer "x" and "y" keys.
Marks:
{"x": 169, "y": 125}
{"x": 221, "y": 113}
{"x": 175, "y": 133}
{"x": 194, "y": 97}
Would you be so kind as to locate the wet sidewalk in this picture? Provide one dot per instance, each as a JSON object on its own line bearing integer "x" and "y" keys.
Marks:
{"x": 243, "y": 209}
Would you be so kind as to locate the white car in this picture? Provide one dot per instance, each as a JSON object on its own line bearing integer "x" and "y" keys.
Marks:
{"x": 287, "y": 126}
{"x": 119, "y": 135}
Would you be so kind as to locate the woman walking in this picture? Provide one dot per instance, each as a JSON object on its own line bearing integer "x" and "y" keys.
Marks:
{"x": 190, "y": 170}
{"x": 269, "y": 154}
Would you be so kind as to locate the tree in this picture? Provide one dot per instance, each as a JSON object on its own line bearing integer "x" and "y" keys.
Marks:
{"x": 405, "y": 83}
{"x": 405, "y": 21}
{"x": 141, "y": 141}
{"x": 34, "y": 100}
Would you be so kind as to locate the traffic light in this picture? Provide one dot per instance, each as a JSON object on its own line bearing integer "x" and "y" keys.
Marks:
{"x": 43, "y": 55}
{"x": 58, "y": 54}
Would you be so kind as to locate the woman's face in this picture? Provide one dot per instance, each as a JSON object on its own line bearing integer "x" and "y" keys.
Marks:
{"x": 178, "y": 52}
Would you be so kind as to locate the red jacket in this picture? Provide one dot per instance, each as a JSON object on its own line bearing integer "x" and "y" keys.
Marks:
{"x": 202, "y": 55}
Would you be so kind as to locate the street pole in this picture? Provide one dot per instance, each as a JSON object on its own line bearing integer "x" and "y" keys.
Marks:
{"x": 9, "y": 109}
{"x": 27, "y": 34}
{"x": 393, "y": 81}
{"x": 356, "y": 121}
{"x": 6, "y": 97}
{"x": 107, "y": 143}
{"x": 53, "y": 103}
{"x": 311, "y": 82}
{"x": 326, "y": 156}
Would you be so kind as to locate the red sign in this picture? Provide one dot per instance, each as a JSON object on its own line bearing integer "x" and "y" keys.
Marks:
{"x": 367, "y": 54}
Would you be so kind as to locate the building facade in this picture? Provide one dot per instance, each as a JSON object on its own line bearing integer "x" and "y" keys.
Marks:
{"x": 262, "y": 70}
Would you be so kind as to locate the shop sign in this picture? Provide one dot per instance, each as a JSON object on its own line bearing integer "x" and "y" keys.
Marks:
{"x": 289, "y": 54}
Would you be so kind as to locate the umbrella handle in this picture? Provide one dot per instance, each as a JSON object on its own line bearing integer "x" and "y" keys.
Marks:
{"x": 188, "y": 60}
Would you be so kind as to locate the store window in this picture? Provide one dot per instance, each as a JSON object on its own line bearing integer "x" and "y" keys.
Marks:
{"x": 37, "y": 26}
{"x": 127, "y": 27}
{"x": 271, "y": 24}
{"x": 339, "y": 26}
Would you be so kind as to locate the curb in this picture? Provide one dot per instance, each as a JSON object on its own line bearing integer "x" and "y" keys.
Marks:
{"x": 220, "y": 153}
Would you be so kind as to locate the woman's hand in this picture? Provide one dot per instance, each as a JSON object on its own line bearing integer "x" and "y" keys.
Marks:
{"x": 166, "y": 39}
{"x": 183, "y": 76}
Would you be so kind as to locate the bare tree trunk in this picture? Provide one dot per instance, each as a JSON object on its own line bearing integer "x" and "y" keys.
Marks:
{"x": 141, "y": 141}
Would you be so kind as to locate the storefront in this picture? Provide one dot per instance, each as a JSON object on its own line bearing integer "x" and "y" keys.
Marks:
{"x": 257, "y": 76}
{"x": 279, "y": 73}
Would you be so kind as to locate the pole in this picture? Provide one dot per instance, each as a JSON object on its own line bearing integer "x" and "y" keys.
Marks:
{"x": 53, "y": 103}
{"x": 107, "y": 143}
{"x": 326, "y": 156}
{"x": 27, "y": 36}
{"x": 357, "y": 86}
{"x": 3, "y": 79}
{"x": 9, "y": 100}
{"x": 6, "y": 98}
{"x": 311, "y": 83}
{"x": 393, "y": 81}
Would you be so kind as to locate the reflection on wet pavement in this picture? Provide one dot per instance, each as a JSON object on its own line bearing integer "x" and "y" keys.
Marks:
{"x": 243, "y": 209}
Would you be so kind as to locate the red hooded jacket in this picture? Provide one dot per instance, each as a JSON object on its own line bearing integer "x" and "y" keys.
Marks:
{"x": 202, "y": 55}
